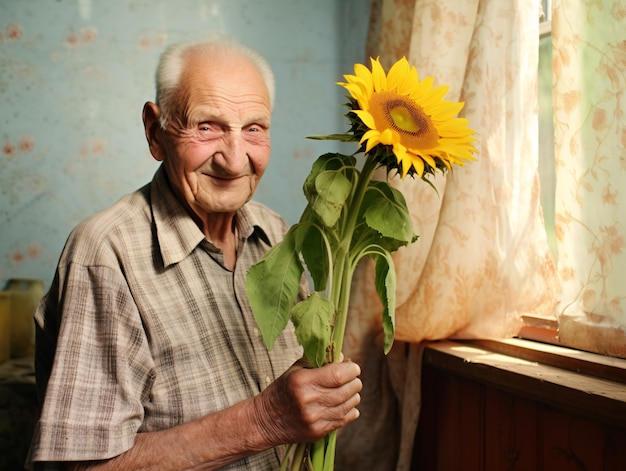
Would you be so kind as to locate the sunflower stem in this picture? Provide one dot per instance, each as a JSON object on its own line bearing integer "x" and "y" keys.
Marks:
{"x": 299, "y": 456}
{"x": 329, "y": 457}
{"x": 344, "y": 269}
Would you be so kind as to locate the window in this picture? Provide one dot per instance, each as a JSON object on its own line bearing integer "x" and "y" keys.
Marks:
{"x": 590, "y": 136}
{"x": 546, "y": 125}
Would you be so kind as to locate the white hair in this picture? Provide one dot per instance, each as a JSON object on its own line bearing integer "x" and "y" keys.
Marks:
{"x": 172, "y": 64}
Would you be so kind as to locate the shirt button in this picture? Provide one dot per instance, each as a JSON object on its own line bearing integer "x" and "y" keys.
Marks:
{"x": 268, "y": 380}
{"x": 256, "y": 332}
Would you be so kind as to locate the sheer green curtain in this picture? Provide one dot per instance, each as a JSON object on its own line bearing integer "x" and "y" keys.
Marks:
{"x": 589, "y": 95}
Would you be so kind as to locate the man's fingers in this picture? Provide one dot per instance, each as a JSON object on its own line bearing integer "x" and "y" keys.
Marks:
{"x": 335, "y": 375}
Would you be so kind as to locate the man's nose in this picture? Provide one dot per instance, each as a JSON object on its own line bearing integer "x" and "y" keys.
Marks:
{"x": 233, "y": 159}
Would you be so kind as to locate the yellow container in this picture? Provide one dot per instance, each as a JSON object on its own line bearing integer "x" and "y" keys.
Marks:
{"x": 25, "y": 295}
{"x": 5, "y": 325}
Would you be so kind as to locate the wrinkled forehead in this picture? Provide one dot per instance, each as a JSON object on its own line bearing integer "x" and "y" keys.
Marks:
{"x": 220, "y": 67}
{"x": 220, "y": 87}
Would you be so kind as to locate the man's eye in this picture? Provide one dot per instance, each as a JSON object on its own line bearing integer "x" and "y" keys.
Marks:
{"x": 255, "y": 128}
{"x": 208, "y": 130}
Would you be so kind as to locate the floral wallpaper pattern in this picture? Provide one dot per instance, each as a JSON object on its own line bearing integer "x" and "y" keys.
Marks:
{"x": 74, "y": 76}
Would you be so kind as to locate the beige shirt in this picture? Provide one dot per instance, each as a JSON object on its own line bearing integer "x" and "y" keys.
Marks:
{"x": 150, "y": 328}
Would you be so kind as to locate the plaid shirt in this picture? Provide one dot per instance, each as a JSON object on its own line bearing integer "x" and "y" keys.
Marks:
{"x": 144, "y": 328}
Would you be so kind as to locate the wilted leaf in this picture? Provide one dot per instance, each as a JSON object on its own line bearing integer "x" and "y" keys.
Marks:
{"x": 312, "y": 319}
{"x": 332, "y": 188}
{"x": 328, "y": 161}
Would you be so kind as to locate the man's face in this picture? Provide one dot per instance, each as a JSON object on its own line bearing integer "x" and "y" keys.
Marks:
{"x": 217, "y": 144}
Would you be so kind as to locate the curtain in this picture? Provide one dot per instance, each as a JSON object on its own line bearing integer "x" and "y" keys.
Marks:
{"x": 589, "y": 94}
{"x": 482, "y": 260}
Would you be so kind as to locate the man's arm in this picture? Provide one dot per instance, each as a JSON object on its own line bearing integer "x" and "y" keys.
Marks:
{"x": 302, "y": 405}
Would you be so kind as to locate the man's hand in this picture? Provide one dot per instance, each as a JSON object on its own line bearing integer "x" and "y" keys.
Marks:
{"x": 305, "y": 404}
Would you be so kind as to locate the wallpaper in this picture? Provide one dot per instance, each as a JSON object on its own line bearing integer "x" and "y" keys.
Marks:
{"x": 74, "y": 76}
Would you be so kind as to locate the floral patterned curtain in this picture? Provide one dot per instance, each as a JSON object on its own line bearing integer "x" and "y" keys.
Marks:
{"x": 589, "y": 94}
{"x": 482, "y": 260}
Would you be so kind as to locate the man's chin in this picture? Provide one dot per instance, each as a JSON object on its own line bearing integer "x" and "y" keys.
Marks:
{"x": 230, "y": 206}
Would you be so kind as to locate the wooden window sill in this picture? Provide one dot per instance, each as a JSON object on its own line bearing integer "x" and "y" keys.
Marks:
{"x": 586, "y": 383}
{"x": 589, "y": 333}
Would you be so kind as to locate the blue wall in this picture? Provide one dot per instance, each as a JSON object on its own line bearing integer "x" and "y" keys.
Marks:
{"x": 74, "y": 76}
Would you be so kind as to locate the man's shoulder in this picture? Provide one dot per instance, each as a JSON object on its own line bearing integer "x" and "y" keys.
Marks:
{"x": 127, "y": 218}
{"x": 128, "y": 210}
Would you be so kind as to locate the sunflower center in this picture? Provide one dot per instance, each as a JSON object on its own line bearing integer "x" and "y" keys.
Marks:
{"x": 404, "y": 120}
{"x": 407, "y": 118}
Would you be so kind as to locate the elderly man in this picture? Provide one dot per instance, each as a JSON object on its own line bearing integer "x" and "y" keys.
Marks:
{"x": 148, "y": 355}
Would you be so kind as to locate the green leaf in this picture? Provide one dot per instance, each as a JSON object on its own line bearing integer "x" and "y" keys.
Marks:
{"x": 312, "y": 244}
{"x": 348, "y": 137}
{"x": 365, "y": 236}
{"x": 272, "y": 286}
{"x": 319, "y": 165}
{"x": 332, "y": 189}
{"x": 313, "y": 320}
{"x": 386, "y": 289}
{"x": 328, "y": 161}
{"x": 387, "y": 213}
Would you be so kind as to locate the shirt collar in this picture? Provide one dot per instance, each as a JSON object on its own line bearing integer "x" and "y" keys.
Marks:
{"x": 177, "y": 233}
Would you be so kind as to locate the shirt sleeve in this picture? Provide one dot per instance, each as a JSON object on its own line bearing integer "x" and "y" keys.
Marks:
{"x": 101, "y": 374}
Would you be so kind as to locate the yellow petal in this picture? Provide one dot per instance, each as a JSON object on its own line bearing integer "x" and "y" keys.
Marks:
{"x": 423, "y": 88}
{"x": 354, "y": 90}
{"x": 363, "y": 73}
{"x": 362, "y": 84}
{"x": 406, "y": 161}
{"x": 366, "y": 117}
{"x": 418, "y": 165}
{"x": 373, "y": 139}
{"x": 445, "y": 110}
{"x": 426, "y": 158}
{"x": 398, "y": 73}
{"x": 387, "y": 137}
{"x": 437, "y": 94}
{"x": 409, "y": 83}
{"x": 378, "y": 76}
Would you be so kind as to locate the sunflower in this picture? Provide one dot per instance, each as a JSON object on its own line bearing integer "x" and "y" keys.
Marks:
{"x": 398, "y": 110}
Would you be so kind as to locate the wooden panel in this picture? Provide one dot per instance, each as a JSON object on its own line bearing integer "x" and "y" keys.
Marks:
{"x": 427, "y": 435}
{"x": 510, "y": 431}
{"x": 470, "y": 423}
{"x": 460, "y": 417}
{"x": 452, "y": 419}
{"x": 448, "y": 411}
{"x": 596, "y": 397}
{"x": 574, "y": 443}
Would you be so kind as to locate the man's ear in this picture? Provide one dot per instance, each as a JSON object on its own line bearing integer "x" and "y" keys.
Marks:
{"x": 152, "y": 127}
